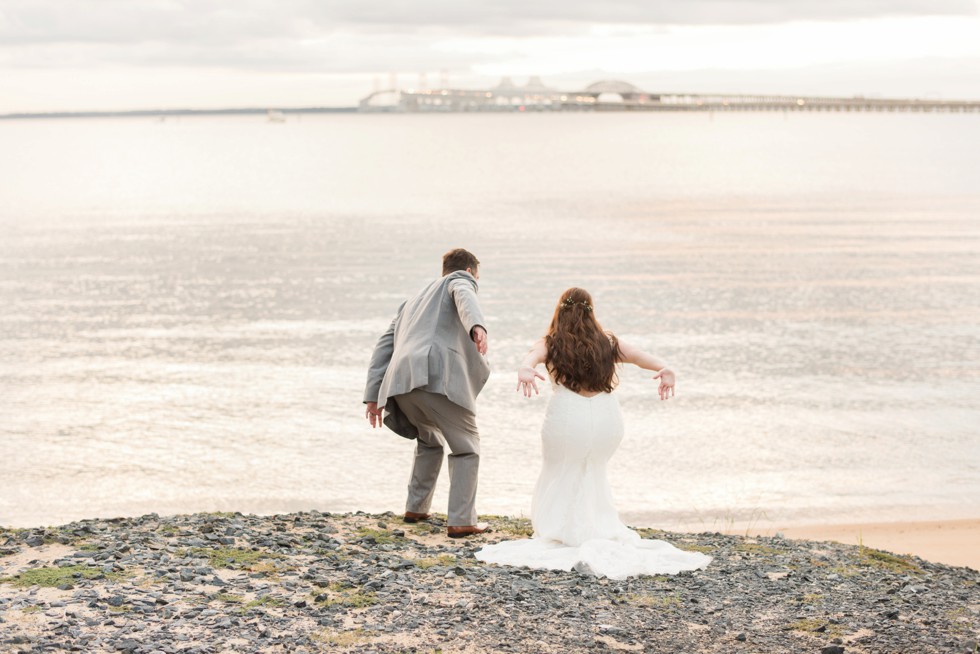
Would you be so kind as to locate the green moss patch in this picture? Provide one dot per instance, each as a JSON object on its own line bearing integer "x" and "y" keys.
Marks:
{"x": 758, "y": 549}
{"x": 649, "y": 532}
{"x": 817, "y": 626}
{"x": 445, "y": 560}
{"x": 11, "y": 532}
{"x": 341, "y": 594}
{"x": 346, "y": 638}
{"x": 845, "y": 570}
{"x": 380, "y": 536}
{"x": 230, "y": 557}
{"x": 654, "y": 601}
{"x": 54, "y": 577}
{"x": 520, "y": 527}
{"x": 887, "y": 561}
{"x": 265, "y": 600}
{"x": 423, "y": 529}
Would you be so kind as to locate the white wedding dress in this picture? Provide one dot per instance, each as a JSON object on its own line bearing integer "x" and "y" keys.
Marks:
{"x": 575, "y": 522}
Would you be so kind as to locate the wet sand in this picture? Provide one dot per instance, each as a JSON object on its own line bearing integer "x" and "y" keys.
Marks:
{"x": 953, "y": 542}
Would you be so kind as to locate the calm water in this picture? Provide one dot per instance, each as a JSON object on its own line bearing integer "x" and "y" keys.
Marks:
{"x": 187, "y": 308}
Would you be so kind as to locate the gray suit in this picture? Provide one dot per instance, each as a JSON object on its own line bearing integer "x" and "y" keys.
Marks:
{"x": 426, "y": 372}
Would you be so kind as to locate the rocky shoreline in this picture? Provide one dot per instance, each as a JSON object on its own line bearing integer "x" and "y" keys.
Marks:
{"x": 310, "y": 582}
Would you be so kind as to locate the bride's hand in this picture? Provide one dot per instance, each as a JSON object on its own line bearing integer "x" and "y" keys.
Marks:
{"x": 667, "y": 381}
{"x": 527, "y": 379}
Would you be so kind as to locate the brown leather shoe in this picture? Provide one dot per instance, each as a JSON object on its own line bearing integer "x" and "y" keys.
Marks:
{"x": 468, "y": 530}
{"x": 412, "y": 518}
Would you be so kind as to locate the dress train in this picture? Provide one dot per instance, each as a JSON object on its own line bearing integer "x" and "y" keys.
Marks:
{"x": 576, "y": 525}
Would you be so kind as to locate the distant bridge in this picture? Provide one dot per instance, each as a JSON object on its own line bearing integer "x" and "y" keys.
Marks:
{"x": 615, "y": 95}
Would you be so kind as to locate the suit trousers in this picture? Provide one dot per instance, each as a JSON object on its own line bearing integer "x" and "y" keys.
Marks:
{"x": 434, "y": 415}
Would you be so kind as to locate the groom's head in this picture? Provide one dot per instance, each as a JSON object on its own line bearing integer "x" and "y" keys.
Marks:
{"x": 460, "y": 259}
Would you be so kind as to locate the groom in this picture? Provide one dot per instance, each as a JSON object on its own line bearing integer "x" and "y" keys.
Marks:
{"x": 424, "y": 377}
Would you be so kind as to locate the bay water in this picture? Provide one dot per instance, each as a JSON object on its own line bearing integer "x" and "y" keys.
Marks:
{"x": 187, "y": 307}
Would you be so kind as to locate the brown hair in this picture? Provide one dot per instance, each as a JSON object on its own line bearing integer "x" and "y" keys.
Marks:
{"x": 581, "y": 356}
{"x": 458, "y": 259}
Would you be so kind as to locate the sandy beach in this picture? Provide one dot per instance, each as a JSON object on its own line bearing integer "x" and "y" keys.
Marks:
{"x": 953, "y": 542}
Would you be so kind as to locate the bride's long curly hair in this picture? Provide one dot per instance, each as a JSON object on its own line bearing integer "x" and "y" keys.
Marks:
{"x": 581, "y": 356}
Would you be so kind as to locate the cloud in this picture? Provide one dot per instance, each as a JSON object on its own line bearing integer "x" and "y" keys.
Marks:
{"x": 748, "y": 47}
{"x": 928, "y": 77}
{"x": 227, "y": 22}
{"x": 103, "y": 41}
{"x": 356, "y": 36}
{"x": 505, "y": 15}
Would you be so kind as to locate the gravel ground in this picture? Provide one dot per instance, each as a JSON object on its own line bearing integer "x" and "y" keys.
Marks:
{"x": 311, "y": 582}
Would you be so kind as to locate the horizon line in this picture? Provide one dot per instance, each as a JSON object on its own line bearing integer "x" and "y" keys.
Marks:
{"x": 107, "y": 113}
{"x": 121, "y": 113}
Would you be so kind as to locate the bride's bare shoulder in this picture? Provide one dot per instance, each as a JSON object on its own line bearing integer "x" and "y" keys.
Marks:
{"x": 627, "y": 353}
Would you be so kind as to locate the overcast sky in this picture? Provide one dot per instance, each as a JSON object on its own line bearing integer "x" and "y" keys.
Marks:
{"x": 60, "y": 55}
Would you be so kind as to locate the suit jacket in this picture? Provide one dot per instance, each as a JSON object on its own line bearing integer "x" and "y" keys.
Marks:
{"x": 428, "y": 346}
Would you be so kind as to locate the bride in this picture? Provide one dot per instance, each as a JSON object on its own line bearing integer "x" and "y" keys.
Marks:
{"x": 575, "y": 522}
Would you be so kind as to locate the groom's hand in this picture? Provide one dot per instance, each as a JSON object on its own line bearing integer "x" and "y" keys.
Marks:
{"x": 479, "y": 335}
{"x": 373, "y": 414}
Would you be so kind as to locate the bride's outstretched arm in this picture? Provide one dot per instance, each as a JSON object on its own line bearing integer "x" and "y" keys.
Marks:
{"x": 647, "y": 361}
{"x": 527, "y": 376}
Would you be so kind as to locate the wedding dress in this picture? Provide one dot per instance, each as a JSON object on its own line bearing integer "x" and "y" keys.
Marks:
{"x": 575, "y": 522}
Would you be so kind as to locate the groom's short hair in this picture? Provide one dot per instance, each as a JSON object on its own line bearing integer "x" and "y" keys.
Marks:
{"x": 458, "y": 259}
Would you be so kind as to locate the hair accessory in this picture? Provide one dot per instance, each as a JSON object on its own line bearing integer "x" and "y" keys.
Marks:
{"x": 569, "y": 302}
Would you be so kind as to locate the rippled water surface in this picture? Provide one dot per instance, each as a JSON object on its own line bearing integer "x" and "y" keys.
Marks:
{"x": 187, "y": 307}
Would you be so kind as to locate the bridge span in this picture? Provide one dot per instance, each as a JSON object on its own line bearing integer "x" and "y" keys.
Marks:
{"x": 615, "y": 95}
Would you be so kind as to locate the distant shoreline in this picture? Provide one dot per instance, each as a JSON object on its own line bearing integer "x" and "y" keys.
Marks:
{"x": 176, "y": 113}
{"x": 276, "y": 114}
